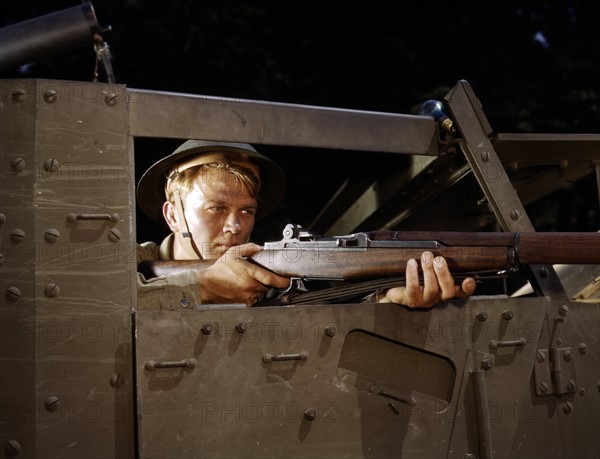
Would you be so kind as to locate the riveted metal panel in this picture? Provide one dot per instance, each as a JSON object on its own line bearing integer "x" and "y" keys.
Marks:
{"x": 78, "y": 200}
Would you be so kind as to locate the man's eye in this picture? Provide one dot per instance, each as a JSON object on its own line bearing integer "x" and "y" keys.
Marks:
{"x": 249, "y": 212}
{"x": 216, "y": 208}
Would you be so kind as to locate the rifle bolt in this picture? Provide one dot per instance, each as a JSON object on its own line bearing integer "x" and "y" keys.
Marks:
{"x": 331, "y": 331}
{"x": 207, "y": 329}
{"x": 507, "y": 314}
{"x": 481, "y": 316}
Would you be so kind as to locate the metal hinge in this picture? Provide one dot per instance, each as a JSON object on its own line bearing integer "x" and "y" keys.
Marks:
{"x": 554, "y": 371}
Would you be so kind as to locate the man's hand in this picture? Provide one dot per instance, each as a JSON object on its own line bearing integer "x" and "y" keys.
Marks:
{"x": 233, "y": 279}
{"x": 438, "y": 284}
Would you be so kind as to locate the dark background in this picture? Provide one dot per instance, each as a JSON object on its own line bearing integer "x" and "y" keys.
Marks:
{"x": 533, "y": 65}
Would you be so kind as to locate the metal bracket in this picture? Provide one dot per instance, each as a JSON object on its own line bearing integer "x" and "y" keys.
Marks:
{"x": 475, "y": 129}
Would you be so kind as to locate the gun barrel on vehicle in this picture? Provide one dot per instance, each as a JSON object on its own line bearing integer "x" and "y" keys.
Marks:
{"x": 48, "y": 35}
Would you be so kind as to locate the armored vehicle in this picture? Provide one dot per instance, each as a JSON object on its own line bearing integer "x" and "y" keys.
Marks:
{"x": 88, "y": 371}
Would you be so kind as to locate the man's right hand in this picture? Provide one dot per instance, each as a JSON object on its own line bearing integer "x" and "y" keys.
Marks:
{"x": 233, "y": 279}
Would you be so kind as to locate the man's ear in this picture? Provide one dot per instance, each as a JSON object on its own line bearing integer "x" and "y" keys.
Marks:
{"x": 170, "y": 216}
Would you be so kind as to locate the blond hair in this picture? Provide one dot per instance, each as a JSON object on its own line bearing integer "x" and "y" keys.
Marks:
{"x": 184, "y": 181}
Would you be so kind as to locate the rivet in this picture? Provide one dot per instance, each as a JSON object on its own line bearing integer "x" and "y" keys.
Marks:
{"x": 17, "y": 164}
{"x": 12, "y": 294}
{"x": 543, "y": 272}
{"x": 111, "y": 99}
{"x": 51, "y": 290}
{"x": 241, "y": 327}
{"x": 568, "y": 355}
{"x": 52, "y": 403}
{"x": 568, "y": 408}
{"x": 17, "y": 235}
{"x": 514, "y": 214}
{"x": 544, "y": 387}
{"x": 485, "y": 156}
{"x": 507, "y": 314}
{"x": 114, "y": 235}
{"x": 116, "y": 380}
{"x": 540, "y": 356}
{"x": 1, "y": 258}
{"x": 19, "y": 95}
{"x": 331, "y": 331}
{"x": 571, "y": 385}
{"x": 50, "y": 95}
{"x": 563, "y": 310}
{"x": 581, "y": 391}
{"x": 51, "y": 165}
{"x": 469, "y": 456}
{"x": 582, "y": 348}
{"x": 310, "y": 414}
{"x": 184, "y": 302}
{"x": 563, "y": 164}
{"x": 2, "y": 218}
{"x": 51, "y": 235}
{"x": 207, "y": 329}
{"x": 481, "y": 316}
{"x": 12, "y": 448}
{"x": 558, "y": 341}
{"x": 486, "y": 364}
{"x": 513, "y": 165}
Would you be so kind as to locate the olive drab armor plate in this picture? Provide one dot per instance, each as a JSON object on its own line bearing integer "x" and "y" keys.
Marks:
{"x": 67, "y": 288}
{"x": 87, "y": 371}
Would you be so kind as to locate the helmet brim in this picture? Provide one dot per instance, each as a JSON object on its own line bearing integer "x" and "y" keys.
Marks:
{"x": 150, "y": 189}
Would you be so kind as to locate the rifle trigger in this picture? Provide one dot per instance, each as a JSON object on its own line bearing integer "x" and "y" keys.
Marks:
{"x": 296, "y": 285}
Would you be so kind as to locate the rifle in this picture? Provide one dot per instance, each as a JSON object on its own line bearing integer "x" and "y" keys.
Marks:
{"x": 303, "y": 255}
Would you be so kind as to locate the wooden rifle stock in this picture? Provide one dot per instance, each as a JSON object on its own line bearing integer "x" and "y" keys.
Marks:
{"x": 381, "y": 254}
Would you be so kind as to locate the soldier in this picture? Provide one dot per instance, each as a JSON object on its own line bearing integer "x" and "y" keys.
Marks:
{"x": 210, "y": 194}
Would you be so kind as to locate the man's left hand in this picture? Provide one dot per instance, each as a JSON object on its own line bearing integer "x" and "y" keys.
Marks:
{"x": 438, "y": 284}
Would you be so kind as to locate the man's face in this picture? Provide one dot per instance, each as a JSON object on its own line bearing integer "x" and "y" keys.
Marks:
{"x": 220, "y": 213}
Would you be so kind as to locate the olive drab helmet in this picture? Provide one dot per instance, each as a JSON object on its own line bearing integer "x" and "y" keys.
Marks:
{"x": 151, "y": 187}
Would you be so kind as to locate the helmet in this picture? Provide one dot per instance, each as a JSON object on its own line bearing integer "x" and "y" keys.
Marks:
{"x": 150, "y": 190}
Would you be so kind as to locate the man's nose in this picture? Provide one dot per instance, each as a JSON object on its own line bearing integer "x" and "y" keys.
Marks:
{"x": 232, "y": 224}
